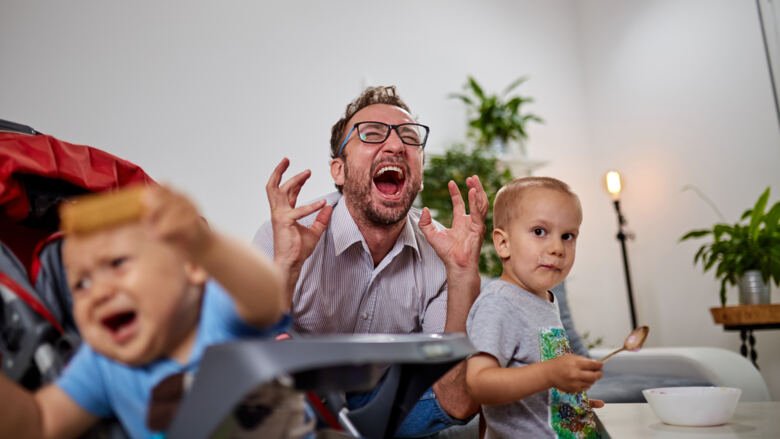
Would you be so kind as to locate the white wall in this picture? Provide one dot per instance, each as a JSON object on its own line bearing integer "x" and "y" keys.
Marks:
{"x": 210, "y": 95}
{"x": 678, "y": 93}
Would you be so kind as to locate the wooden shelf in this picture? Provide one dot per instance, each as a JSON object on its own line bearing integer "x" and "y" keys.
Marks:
{"x": 747, "y": 315}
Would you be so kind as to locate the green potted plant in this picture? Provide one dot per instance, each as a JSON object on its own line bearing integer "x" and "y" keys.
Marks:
{"x": 745, "y": 252}
{"x": 496, "y": 120}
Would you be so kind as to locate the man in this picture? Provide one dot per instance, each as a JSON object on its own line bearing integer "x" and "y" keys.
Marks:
{"x": 363, "y": 249}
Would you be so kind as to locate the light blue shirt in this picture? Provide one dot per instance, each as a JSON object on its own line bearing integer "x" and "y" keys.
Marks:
{"x": 107, "y": 388}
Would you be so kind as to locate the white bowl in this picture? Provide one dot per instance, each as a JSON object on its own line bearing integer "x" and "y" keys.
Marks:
{"x": 693, "y": 406}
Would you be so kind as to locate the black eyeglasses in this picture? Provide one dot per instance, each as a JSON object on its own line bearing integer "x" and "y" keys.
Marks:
{"x": 412, "y": 134}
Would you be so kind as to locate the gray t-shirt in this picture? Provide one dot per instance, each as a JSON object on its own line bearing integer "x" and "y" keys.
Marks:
{"x": 518, "y": 329}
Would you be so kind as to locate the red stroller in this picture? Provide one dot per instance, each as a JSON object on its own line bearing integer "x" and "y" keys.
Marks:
{"x": 37, "y": 171}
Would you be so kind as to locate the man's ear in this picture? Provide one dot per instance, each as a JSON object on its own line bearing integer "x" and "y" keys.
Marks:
{"x": 195, "y": 273}
{"x": 337, "y": 171}
{"x": 501, "y": 243}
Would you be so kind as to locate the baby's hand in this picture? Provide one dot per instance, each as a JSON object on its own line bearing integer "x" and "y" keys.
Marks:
{"x": 573, "y": 373}
{"x": 173, "y": 218}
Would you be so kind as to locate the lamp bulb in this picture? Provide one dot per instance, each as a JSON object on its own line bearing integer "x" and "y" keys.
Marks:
{"x": 614, "y": 184}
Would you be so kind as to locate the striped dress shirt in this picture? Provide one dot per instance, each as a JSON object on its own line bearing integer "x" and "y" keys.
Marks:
{"x": 340, "y": 291}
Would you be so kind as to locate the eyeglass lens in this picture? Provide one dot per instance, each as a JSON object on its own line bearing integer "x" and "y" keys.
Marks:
{"x": 377, "y": 132}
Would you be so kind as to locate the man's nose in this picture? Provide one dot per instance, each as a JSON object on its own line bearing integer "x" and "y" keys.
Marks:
{"x": 393, "y": 143}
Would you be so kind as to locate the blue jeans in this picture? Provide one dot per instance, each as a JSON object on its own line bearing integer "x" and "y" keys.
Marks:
{"x": 426, "y": 418}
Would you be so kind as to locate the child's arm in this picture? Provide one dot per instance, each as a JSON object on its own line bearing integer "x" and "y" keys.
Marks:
{"x": 489, "y": 383}
{"x": 49, "y": 413}
{"x": 251, "y": 279}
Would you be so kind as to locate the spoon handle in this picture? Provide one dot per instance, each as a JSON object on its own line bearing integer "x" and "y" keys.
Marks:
{"x": 609, "y": 355}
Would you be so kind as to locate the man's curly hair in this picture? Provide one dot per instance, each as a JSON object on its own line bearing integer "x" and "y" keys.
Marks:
{"x": 372, "y": 95}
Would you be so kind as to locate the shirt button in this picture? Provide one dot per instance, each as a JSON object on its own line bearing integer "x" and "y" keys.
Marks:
{"x": 364, "y": 315}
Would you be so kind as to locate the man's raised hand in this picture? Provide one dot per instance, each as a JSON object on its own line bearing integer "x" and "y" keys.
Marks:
{"x": 460, "y": 245}
{"x": 293, "y": 242}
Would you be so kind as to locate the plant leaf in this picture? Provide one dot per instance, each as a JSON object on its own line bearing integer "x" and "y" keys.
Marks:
{"x": 476, "y": 88}
{"x": 514, "y": 84}
{"x": 758, "y": 214}
{"x": 695, "y": 234}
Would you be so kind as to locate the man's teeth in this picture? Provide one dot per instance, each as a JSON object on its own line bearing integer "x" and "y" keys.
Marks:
{"x": 390, "y": 168}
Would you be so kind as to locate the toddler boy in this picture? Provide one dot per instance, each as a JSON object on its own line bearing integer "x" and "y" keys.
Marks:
{"x": 528, "y": 382}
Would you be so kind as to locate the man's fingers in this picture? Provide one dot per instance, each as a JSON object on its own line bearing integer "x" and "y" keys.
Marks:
{"x": 475, "y": 209}
{"x": 475, "y": 182}
{"x": 426, "y": 222}
{"x": 479, "y": 203}
{"x": 322, "y": 220}
{"x": 292, "y": 196}
{"x": 287, "y": 191}
{"x": 305, "y": 210}
{"x": 458, "y": 208}
{"x": 295, "y": 182}
{"x": 276, "y": 175}
{"x": 483, "y": 204}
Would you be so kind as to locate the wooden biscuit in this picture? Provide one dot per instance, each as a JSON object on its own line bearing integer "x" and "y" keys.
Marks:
{"x": 90, "y": 213}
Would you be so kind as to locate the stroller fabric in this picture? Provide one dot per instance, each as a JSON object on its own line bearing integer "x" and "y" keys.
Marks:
{"x": 38, "y": 172}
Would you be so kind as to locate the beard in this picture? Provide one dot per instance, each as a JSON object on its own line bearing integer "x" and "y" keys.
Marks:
{"x": 357, "y": 188}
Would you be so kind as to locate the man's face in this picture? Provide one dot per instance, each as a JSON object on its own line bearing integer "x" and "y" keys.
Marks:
{"x": 135, "y": 299}
{"x": 540, "y": 240}
{"x": 380, "y": 181}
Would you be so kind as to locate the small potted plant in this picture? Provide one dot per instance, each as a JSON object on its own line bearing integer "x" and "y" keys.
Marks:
{"x": 496, "y": 121}
{"x": 746, "y": 253}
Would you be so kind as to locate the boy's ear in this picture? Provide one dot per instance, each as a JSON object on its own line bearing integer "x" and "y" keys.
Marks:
{"x": 195, "y": 273}
{"x": 501, "y": 243}
{"x": 337, "y": 171}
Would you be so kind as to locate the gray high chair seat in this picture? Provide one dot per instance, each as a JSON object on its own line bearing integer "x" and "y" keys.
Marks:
{"x": 324, "y": 364}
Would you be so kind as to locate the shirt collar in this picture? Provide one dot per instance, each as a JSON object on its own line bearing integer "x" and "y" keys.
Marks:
{"x": 345, "y": 231}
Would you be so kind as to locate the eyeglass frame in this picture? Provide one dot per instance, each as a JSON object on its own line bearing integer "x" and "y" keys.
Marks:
{"x": 392, "y": 128}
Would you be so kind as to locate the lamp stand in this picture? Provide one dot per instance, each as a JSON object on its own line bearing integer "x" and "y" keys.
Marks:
{"x": 622, "y": 236}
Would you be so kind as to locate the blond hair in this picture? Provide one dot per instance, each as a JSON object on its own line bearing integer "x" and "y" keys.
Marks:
{"x": 511, "y": 194}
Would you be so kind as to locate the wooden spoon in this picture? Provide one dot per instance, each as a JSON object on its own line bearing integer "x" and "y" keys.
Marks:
{"x": 633, "y": 342}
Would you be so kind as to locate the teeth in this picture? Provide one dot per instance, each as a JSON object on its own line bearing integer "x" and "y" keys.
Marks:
{"x": 390, "y": 168}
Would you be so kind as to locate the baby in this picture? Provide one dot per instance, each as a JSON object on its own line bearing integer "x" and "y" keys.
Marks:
{"x": 528, "y": 382}
{"x": 146, "y": 308}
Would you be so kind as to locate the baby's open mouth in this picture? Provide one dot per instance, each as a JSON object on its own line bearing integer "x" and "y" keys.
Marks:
{"x": 389, "y": 180}
{"x": 119, "y": 323}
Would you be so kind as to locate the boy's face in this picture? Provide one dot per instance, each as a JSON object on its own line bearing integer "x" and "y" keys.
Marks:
{"x": 539, "y": 243}
{"x": 135, "y": 299}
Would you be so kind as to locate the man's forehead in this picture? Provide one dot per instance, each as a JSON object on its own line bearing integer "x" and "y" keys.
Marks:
{"x": 382, "y": 113}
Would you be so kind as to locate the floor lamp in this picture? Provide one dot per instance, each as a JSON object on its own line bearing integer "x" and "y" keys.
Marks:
{"x": 614, "y": 186}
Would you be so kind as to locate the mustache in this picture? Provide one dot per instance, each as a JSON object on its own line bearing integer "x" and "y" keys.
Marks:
{"x": 395, "y": 161}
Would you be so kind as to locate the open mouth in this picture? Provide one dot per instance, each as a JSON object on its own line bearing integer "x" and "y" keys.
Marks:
{"x": 389, "y": 180}
{"x": 120, "y": 325}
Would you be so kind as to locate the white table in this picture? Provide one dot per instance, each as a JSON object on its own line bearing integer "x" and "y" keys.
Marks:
{"x": 750, "y": 420}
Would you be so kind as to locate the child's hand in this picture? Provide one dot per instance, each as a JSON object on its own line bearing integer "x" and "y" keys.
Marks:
{"x": 596, "y": 403}
{"x": 173, "y": 218}
{"x": 573, "y": 373}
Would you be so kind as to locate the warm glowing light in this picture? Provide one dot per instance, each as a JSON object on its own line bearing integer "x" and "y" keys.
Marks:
{"x": 614, "y": 184}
